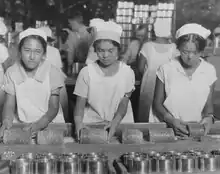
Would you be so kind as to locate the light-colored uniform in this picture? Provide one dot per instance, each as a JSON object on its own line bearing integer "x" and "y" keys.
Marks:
{"x": 78, "y": 44}
{"x": 33, "y": 94}
{"x": 186, "y": 96}
{"x": 3, "y": 57}
{"x": 156, "y": 55}
{"x": 92, "y": 56}
{"x": 104, "y": 93}
{"x": 53, "y": 55}
{"x": 132, "y": 51}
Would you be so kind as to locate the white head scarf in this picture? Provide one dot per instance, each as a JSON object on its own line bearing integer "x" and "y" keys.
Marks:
{"x": 109, "y": 30}
{"x": 162, "y": 27}
{"x": 96, "y": 23}
{"x": 217, "y": 30}
{"x": 193, "y": 28}
{"x": 3, "y": 28}
{"x": 32, "y": 31}
{"x": 47, "y": 30}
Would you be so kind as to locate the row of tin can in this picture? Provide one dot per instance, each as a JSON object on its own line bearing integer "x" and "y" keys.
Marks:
{"x": 146, "y": 7}
{"x": 93, "y": 163}
{"x": 130, "y": 12}
{"x": 171, "y": 162}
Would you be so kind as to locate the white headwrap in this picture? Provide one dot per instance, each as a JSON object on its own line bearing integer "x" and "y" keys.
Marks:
{"x": 3, "y": 28}
{"x": 193, "y": 28}
{"x": 162, "y": 27}
{"x": 32, "y": 31}
{"x": 109, "y": 30}
{"x": 96, "y": 23}
{"x": 47, "y": 30}
{"x": 217, "y": 30}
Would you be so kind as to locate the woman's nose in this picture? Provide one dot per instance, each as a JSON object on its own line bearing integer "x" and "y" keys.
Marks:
{"x": 191, "y": 55}
{"x": 32, "y": 55}
{"x": 105, "y": 54}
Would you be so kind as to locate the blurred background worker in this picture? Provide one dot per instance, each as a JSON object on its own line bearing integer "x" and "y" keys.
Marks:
{"x": 95, "y": 25}
{"x": 79, "y": 41}
{"x": 152, "y": 55}
{"x": 140, "y": 36}
{"x": 53, "y": 54}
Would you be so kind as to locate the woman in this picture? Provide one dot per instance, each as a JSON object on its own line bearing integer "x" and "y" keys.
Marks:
{"x": 3, "y": 61}
{"x": 53, "y": 54}
{"x": 152, "y": 55}
{"x": 130, "y": 56}
{"x": 185, "y": 85}
{"x": 32, "y": 86}
{"x": 103, "y": 88}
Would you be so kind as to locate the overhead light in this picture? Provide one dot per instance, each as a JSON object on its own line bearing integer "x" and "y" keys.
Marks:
{"x": 50, "y": 2}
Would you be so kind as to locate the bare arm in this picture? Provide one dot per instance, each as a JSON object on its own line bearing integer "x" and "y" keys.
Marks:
{"x": 53, "y": 108}
{"x": 159, "y": 98}
{"x": 126, "y": 56}
{"x": 9, "y": 110}
{"x": 119, "y": 115}
{"x": 208, "y": 108}
{"x": 79, "y": 110}
{"x": 122, "y": 109}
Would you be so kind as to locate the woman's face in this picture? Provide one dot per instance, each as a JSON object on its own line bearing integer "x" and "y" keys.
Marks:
{"x": 107, "y": 52}
{"x": 140, "y": 34}
{"x": 32, "y": 53}
{"x": 189, "y": 54}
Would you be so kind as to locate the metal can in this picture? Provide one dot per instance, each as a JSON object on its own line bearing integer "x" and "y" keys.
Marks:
{"x": 68, "y": 163}
{"x": 94, "y": 163}
{"x": 22, "y": 166}
{"x": 128, "y": 156}
{"x": 186, "y": 163}
{"x": 140, "y": 165}
{"x": 166, "y": 164}
{"x": 43, "y": 165}
{"x": 209, "y": 163}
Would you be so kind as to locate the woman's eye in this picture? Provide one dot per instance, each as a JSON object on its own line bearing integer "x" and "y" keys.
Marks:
{"x": 38, "y": 52}
{"x": 26, "y": 50}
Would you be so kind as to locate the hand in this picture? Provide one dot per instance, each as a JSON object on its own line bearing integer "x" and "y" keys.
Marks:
{"x": 111, "y": 129}
{"x": 79, "y": 127}
{"x": 7, "y": 124}
{"x": 207, "y": 122}
{"x": 2, "y": 129}
{"x": 35, "y": 126}
{"x": 179, "y": 128}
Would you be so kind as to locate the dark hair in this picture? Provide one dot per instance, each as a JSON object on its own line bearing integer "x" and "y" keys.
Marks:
{"x": 141, "y": 27}
{"x": 116, "y": 44}
{"x": 77, "y": 16}
{"x": 36, "y": 37}
{"x": 198, "y": 40}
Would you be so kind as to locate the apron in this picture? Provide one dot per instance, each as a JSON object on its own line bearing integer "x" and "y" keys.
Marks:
{"x": 32, "y": 100}
{"x": 155, "y": 60}
{"x": 105, "y": 94}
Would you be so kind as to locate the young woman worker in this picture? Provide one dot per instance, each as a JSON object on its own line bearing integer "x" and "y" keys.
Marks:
{"x": 103, "y": 88}
{"x": 184, "y": 86}
{"x": 32, "y": 85}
